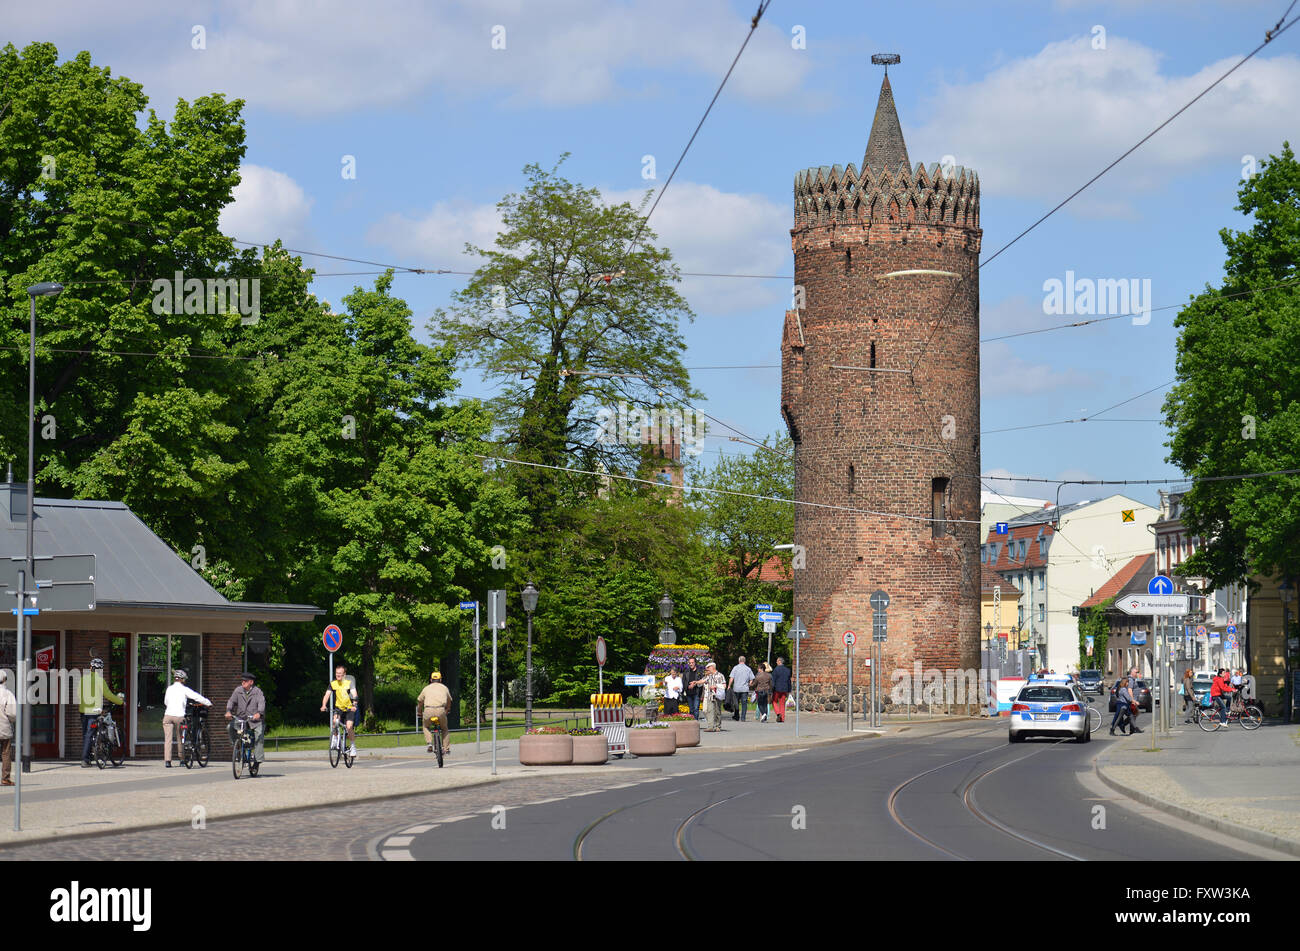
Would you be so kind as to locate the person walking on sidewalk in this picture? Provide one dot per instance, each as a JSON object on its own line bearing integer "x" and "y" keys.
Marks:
{"x": 763, "y": 691}
{"x": 1122, "y": 698}
{"x": 1189, "y": 695}
{"x": 691, "y": 677}
{"x": 8, "y": 718}
{"x": 780, "y": 688}
{"x": 434, "y": 701}
{"x": 174, "y": 714}
{"x": 739, "y": 680}
{"x": 714, "y": 687}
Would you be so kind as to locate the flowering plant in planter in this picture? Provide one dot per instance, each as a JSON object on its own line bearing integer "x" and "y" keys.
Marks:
{"x": 652, "y": 726}
{"x": 677, "y": 716}
{"x": 548, "y": 731}
{"x": 585, "y": 731}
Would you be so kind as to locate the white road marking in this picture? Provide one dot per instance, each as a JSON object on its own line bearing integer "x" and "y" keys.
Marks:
{"x": 454, "y": 819}
{"x": 418, "y": 830}
{"x": 397, "y": 855}
{"x": 396, "y": 840}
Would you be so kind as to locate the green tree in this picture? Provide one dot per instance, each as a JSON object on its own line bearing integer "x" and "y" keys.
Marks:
{"x": 1093, "y": 622}
{"x": 1236, "y": 406}
{"x": 569, "y": 323}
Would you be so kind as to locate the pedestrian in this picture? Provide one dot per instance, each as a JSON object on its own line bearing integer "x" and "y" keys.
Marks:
{"x": 1122, "y": 696}
{"x": 174, "y": 714}
{"x": 762, "y": 688}
{"x": 672, "y": 691}
{"x": 691, "y": 678}
{"x": 714, "y": 688}
{"x": 1134, "y": 705}
{"x": 780, "y": 688}
{"x": 1189, "y": 694}
{"x": 248, "y": 703}
{"x": 8, "y": 718}
{"x": 739, "y": 680}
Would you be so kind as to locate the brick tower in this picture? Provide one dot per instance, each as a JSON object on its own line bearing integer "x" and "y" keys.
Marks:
{"x": 880, "y": 392}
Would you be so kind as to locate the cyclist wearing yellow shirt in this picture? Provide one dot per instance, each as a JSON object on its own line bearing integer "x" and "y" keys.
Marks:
{"x": 344, "y": 692}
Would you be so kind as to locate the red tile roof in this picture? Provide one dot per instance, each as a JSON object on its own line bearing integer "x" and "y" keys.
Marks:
{"x": 1029, "y": 533}
{"x": 1118, "y": 581}
{"x": 989, "y": 578}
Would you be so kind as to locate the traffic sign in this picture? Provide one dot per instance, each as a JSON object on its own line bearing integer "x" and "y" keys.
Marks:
{"x": 468, "y": 605}
{"x": 879, "y": 601}
{"x": 1001, "y": 528}
{"x": 762, "y": 607}
{"x": 1126, "y": 515}
{"x": 1232, "y": 629}
{"x": 601, "y": 653}
{"x": 66, "y": 596}
{"x": 332, "y": 638}
{"x": 1164, "y": 605}
{"x": 1160, "y": 584}
{"x": 773, "y": 616}
{"x": 639, "y": 680}
{"x": 850, "y": 638}
{"x": 1200, "y": 630}
{"x": 769, "y": 627}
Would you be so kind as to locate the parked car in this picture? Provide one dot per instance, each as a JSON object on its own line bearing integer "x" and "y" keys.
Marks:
{"x": 1201, "y": 684}
{"x": 1142, "y": 692}
{"x": 1091, "y": 681}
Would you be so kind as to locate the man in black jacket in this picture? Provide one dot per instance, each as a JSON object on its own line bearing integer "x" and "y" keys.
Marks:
{"x": 780, "y": 688}
{"x": 691, "y": 674}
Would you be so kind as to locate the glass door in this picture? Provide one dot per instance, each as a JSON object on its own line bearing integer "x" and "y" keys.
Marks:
{"x": 150, "y": 685}
{"x": 45, "y": 716}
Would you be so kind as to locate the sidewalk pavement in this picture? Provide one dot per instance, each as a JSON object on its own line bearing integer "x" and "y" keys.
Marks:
{"x": 1242, "y": 784}
{"x": 61, "y": 799}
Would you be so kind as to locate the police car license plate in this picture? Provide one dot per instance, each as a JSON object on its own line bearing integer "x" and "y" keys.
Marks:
{"x": 1044, "y": 716}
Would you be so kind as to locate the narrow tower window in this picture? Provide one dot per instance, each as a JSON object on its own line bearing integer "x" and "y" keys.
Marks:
{"x": 852, "y": 480}
{"x": 873, "y": 354}
{"x": 938, "y": 507}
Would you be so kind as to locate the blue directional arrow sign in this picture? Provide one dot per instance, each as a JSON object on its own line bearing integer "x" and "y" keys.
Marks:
{"x": 771, "y": 616}
{"x": 1232, "y": 629}
{"x": 1160, "y": 584}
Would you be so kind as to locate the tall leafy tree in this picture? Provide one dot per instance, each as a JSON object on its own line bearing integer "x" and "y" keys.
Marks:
{"x": 1236, "y": 406}
{"x": 570, "y": 319}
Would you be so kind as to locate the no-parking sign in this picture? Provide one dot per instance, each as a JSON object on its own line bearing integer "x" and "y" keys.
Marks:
{"x": 332, "y": 638}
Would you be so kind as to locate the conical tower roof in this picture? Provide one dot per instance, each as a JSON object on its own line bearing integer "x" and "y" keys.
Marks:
{"x": 885, "y": 148}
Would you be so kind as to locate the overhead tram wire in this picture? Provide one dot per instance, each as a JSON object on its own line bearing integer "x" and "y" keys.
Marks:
{"x": 1269, "y": 36}
{"x": 1093, "y": 417}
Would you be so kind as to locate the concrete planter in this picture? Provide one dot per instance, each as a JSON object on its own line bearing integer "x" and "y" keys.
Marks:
{"x": 540, "y": 749}
{"x": 652, "y": 742}
{"x": 688, "y": 732}
{"x": 590, "y": 750}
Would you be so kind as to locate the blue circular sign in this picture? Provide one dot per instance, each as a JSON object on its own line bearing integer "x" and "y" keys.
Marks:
{"x": 1160, "y": 584}
{"x": 332, "y": 638}
{"x": 1232, "y": 629}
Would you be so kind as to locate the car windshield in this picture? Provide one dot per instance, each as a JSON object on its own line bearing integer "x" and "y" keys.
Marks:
{"x": 1090, "y": 675}
{"x": 1046, "y": 694}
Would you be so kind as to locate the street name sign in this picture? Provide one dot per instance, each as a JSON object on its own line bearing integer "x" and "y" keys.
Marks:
{"x": 1164, "y": 605}
{"x": 762, "y": 607}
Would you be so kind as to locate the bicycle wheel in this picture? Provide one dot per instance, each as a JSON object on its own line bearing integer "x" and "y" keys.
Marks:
{"x": 202, "y": 747}
{"x": 348, "y": 759}
{"x": 1252, "y": 718}
{"x": 253, "y": 767}
{"x": 1208, "y": 720}
{"x": 187, "y": 747}
{"x": 116, "y": 752}
{"x": 1094, "y": 719}
{"x": 237, "y": 759}
{"x": 336, "y": 749}
{"x": 101, "y": 750}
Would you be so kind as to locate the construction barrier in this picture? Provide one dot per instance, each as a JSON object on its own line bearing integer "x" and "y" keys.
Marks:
{"x": 607, "y": 716}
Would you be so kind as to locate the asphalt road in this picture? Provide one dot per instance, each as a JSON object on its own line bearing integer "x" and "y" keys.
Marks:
{"x": 957, "y": 793}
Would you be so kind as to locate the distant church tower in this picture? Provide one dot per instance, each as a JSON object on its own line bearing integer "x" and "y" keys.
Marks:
{"x": 880, "y": 392}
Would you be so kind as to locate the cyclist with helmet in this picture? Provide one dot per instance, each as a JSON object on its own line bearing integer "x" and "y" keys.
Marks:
{"x": 174, "y": 713}
{"x": 434, "y": 701}
{"x": 94, "y": 691}
{"x": 344, "y": 690}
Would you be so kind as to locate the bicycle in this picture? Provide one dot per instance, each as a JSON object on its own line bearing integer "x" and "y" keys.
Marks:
{"x": 242, "y": 754}
{"x": 1249, "y": 715}
{"x": 196, "y": 746}
{"x": 339, "y": 743}
{"x": 107, "y": 745}
{"x": 1094, "y": 719}
{"x": 435, "y": 730}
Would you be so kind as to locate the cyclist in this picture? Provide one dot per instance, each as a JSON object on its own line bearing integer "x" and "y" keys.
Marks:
{"x": 1221, "y": 694}
{"x": 94, "y": 691}
{"x": 248, "y": 703}
{"x": 344, "y": 690}
{"x": 174, "y": 712}
{"x": 434, "y": 701}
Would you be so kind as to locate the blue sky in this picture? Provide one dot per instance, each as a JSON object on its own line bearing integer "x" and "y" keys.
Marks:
{"x": 440, "y": 125}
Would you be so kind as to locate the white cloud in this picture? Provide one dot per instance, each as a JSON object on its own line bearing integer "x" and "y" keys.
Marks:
{"x": 1003, "y": 373}
{"x": 1042, "y": 125}
{"x": 707, "y": 230}
{"x": 267, "y": 205}
{"x": 333, "y": 56}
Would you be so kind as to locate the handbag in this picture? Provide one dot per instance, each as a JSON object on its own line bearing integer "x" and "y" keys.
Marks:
{"x": 719, "y": 693}
{"x": 729, "y": 701}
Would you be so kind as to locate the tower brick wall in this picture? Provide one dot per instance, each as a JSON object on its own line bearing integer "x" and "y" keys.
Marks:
{"x": 880, "y": 441}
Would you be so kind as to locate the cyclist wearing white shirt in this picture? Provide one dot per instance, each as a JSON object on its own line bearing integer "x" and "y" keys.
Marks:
{"x": 174, "y": 712}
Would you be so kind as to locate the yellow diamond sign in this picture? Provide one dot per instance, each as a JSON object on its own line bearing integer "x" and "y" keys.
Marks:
{"x": 1126, "y": 515}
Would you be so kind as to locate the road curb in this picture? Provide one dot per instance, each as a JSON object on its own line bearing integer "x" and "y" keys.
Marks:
{"x": 1224, "y": 826}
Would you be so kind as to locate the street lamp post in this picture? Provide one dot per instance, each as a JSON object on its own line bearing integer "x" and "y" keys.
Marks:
{"x": 1285, "y": 593}
{"x": 667, "y": 635}
{"x": 529, "y": 598}
{"x": 988, "y": 637}
{"x": 24, "y": 738}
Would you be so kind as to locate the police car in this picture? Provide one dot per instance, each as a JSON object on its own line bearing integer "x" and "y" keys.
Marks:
{"x": 1051, "y": 705}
